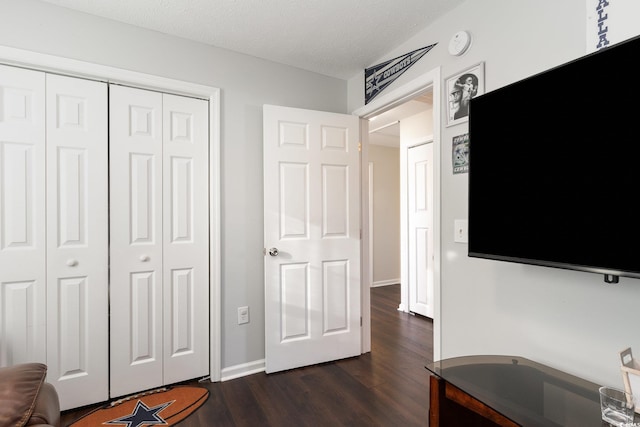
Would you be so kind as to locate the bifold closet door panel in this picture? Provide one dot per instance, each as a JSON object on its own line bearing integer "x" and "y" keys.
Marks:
{"x": 186, "y": 238}
{"x": 22, "y": 216}
{"x": 135, "y": 156}
{"x": 77, "y": 245}
{"x": 159, "y": 239}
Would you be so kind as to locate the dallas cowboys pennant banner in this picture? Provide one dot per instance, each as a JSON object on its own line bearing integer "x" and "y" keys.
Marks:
{"x": 378, "y": 77}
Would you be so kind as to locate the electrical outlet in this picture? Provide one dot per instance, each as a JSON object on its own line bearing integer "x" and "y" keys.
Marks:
{"x": 243, "y": 315}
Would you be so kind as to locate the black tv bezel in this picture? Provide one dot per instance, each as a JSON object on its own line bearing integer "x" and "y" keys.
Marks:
{"x": 610, "y": 275}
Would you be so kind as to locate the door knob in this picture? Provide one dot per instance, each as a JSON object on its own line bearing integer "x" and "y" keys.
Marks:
{"x": 273, "y": 251}
{"x": 72, "y": 262}
{"x": 144, "y": 258}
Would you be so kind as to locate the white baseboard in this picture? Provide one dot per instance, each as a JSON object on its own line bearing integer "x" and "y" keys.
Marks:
{"x": 242, "y": 370}
{"x": 385, "y": 283}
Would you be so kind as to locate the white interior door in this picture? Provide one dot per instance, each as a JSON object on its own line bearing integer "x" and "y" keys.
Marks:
{"x": 159, "y": 239}
{"x": 77, "y": 246}
{"x": 22, "y": 217}
{"x": 420, "y": 221}
{"x": 312, "y": 219}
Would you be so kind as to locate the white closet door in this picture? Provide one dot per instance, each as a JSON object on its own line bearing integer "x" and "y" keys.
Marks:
{"x": 159, "y": 239}
{"x": 136, "y": 239}
{"x": 22, "y": 217}
{"x": 77, "y": 227}
{"x": 186, "y": 238}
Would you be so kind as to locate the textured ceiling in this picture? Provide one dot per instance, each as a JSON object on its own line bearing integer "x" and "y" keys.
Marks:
{"x": 338, "y": 38}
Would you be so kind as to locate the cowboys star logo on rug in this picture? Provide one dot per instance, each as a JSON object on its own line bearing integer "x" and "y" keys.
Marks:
{"x": 142, "y": 415}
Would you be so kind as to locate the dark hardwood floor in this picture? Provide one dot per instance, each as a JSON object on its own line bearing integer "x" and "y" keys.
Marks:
{"x": 387, "y": 387}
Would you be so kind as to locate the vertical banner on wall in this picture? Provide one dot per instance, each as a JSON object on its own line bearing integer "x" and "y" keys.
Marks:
{"x": 378, "y": 77}
{"x": 611, "y": 21}
{"x": 460, "y": 153}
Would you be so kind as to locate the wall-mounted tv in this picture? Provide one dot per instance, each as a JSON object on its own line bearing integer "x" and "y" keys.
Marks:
{"x": 554, "y": 167}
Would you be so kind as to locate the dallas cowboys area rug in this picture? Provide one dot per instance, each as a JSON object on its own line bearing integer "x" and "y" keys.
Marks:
{"x": 162, "y": 407}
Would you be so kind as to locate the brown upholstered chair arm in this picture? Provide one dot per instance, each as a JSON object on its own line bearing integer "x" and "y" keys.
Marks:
{"x": 20, "y": 399}
{"x": 47, "y": 409}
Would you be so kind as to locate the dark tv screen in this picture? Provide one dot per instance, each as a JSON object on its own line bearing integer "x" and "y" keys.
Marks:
{"x": 554, "y": 178}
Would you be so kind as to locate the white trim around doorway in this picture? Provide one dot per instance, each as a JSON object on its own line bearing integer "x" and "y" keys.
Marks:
{"x": 430, "y": 79}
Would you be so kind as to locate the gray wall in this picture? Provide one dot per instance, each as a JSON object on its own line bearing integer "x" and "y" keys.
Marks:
{"x": 246, "y": 84}
{"x": 567, "y": 319}
{"x": 386, "y": 214}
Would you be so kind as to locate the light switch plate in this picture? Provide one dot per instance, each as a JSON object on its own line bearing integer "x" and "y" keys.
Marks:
{"x": 243, "y": 315}
{"x": 460, "y": 233}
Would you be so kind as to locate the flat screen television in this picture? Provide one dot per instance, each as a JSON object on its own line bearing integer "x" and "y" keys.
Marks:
{"x": 554, "y": 171}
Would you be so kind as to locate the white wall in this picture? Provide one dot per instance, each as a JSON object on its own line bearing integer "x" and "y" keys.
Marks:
{"x": 246, "y": 84}
{"x": 566, "y": 319}
{"x": 386, "y": 214}
{"x": 417, "y": 128}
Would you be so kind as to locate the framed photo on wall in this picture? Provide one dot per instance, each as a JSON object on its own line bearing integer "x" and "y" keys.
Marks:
{"x": 460, "y": 88}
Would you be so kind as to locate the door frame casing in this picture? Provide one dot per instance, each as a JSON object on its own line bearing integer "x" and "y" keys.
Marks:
{"x": 75, "y": 68}
{"x": 430, "y": 79}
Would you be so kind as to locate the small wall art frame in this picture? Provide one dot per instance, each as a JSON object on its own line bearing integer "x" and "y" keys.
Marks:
{"x": 461, "y": 87}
